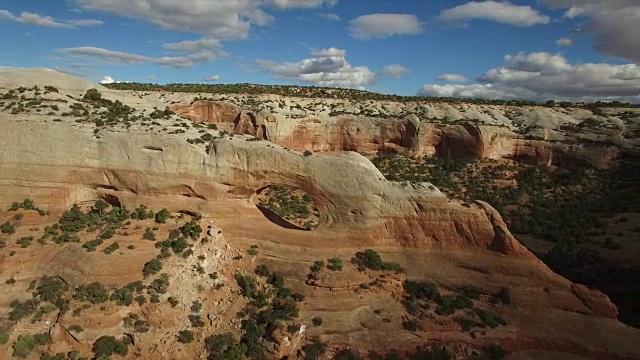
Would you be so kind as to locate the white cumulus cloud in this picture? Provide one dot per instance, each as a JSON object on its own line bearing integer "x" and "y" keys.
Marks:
{"x": 613, "y": 24}
{"x": 395, "y": 71}
{"x": 501, "y": 12}
{"x": 211, "y": 78}
{"x": 565, "y": 41}
{"x": 383, "y": 25}
{"x": 452, "y": 78}
{"x": 326, "y": 67}
{"x": 540, "y": 76}
{"x": 217, "y": 19}
{"x": 109, "y": 80}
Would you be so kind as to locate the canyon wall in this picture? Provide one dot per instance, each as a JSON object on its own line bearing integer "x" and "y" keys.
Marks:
{"x": 409, "y": 134}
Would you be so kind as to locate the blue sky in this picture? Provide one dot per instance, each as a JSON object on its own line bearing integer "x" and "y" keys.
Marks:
{"x": 538, "y": 49}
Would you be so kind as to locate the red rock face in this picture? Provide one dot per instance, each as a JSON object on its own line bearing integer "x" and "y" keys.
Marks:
{"x": 208, "y": 111}
{"x": 350, "y": 133}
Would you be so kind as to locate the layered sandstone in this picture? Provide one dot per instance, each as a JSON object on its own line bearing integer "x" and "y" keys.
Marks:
{"x": 443, "y": 130}
{"x": 61, "y": 163}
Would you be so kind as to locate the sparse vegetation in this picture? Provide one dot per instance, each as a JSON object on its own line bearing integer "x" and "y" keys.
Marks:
{"x": 291, "y": 204}
{"x": 185, "y": 336}
{"x": 370, "y": 259}
{"x": 25, "y": 344}
{"x": 335, "y": 264}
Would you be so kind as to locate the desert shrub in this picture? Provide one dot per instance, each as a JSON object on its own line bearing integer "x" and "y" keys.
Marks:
{"x": 20, "y": 310}
{"x": 467, "y": 324}
{"x": 27, "y": 343}
{"x": 494, "y": 352}
{"x": 335, "y": 264}
{"x": 191, "y": 229}
{"x": 307, "y": 153}
{"x": 470, "y": 292}
{"x": 448, "y": 305}
{"x": 196, "y": 320}
{"x": 160, "y": 284}
{"x": 434, "y": 353}
{"x": 149, "y": 235}
{"x": 224, "y": 347}
{"x": 151, "y": 267}
{"x": 262, "y": 270}
{"x": 346, "y": 354}
{"x": 142, "y": 213}
{"x": 185, "y": 336}
{"x": 51, "y": 289}
{"x": 314, "y": 350}
{"x": 317, "y": 321}
{"x": 196, "y": 306}
{"x": 162, "y": 216}
{"x": 122, "y": 296}
{"x": 106, "y": 346}
{"x": 248, "y": 285}
{"x": 47, "y": 308}
{"x": 73, "y": 220}
{"x": 24, "y": 241}
{"x": 91, "y": 245}
{"x": 490, "y": 319}
{"x": 370, "y": 259}
{"x": 94, "y": 293}
{"x": 76, "y": 328}
{"x": 411, "y": 325}
{"x": 111, "y": 248}
{"x": 173, "y": 301}
{"x": 4, "y": 337}
{"x": 276, "y": 280}
{"x": 7, "y": 228}
{"x": 421, "y": 290}
{"x": 92, "y": 95}
{"x": 317, "y": 266}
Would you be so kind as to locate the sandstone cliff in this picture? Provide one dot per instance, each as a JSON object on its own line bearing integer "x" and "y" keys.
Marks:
{"x": 58, "y": 163}
{"x": 536, "y": 135}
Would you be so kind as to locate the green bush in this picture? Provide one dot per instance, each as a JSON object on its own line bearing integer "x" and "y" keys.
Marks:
{"x": 27, "y": 343}
{"x": 490, "y": 319}
{"x": 162, "y": 216}
{"x": 106, "y": 346}
{"x": 94, "y": 293}
{"x": 7, "y": 228}
{"x": 410, "y": 325}
{"x": 494, "y": 352}
{"x": 92, "y": 95}
{"x": 370, "y": 259}
{"x": 262, "y": 270}
{"x": 314, "y": 350}
{"x": 111, "y": 248}
{"x": 248, "y": 285}
{"x": 335, "y": 264}
{"x": 151, "y": 267}
{"x": 76, "y": 328}
{"x": 185, "y": 336}
{"x": 149, "y": 235}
